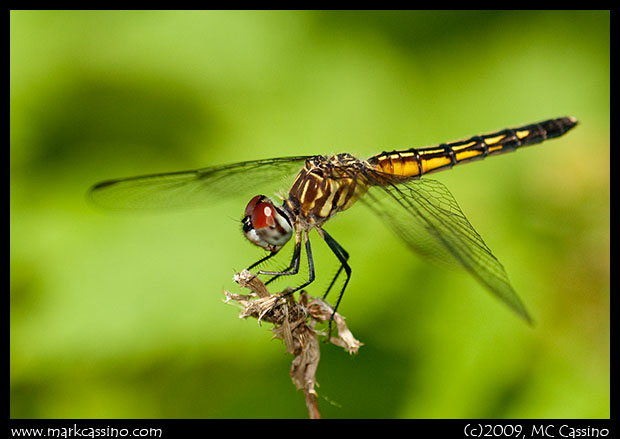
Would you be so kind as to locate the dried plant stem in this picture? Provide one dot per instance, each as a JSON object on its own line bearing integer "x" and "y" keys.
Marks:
{"x": 311, "y": 404}
{"x": 294, "y": 323}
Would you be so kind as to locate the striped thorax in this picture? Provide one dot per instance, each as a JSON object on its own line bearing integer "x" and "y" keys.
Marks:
{"x": 326, "y": 186}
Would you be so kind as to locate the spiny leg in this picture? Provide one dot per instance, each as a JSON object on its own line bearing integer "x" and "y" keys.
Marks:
{"x": 260, "y": 261}
{"x": 310, "y": 265}
{"x": 287, "y": 271}
{"x": 342, "y": 256}
{"x": 293, "y": 267}
{"x": 295, "y": 262}
{"x": 345, "y": 254}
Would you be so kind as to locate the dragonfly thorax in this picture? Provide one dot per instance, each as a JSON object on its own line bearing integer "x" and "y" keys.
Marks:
{"x": 326, "y": 186}
{"x": 266, "y": 225}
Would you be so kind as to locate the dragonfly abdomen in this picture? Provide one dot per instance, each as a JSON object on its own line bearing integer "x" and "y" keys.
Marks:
{"x": 416, "y": 162}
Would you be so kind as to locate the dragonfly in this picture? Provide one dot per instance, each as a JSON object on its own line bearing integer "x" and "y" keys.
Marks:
{"x": 421, "y": 211}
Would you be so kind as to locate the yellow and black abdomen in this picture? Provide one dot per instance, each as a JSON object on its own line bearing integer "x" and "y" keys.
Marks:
{"x": 416, "y": 162}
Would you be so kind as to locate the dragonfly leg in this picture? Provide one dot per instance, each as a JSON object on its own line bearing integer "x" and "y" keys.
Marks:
{"x": 295, "y": 263}
{"x": 287, "y": 270}
{"x": 310, "y": 266}
{"x": 293, "y": 267}
{"x": 290, "y": 269}
{"x": 260, "y": 261}
{"x": 342, "y": 256}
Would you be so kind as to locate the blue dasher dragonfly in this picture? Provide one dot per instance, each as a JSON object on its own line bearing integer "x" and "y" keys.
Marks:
{"x": 421, "y": 211}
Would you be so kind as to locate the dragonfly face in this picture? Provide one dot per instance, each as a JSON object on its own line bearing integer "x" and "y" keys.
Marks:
{"x": 421, "y": 211}
{"x": 266, "y": 225}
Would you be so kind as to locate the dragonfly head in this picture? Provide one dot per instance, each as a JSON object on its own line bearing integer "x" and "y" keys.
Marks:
{"x": 266, "y": 225}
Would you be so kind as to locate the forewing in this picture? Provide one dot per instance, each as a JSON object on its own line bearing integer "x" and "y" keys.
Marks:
{"x": 196, "y": 187}
{"x": 427, "y": 217}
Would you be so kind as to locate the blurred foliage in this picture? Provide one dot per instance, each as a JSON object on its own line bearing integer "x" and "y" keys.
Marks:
{"x": 121, "y": 315}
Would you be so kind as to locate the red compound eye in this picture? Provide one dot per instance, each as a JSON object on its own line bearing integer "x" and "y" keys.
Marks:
{"x": 252, "y": 204}
{"x": 263, "y": 215}
{"x": 265, "y": 225}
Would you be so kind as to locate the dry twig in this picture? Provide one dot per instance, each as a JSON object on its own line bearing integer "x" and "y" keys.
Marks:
{"x": 294, "y": 323}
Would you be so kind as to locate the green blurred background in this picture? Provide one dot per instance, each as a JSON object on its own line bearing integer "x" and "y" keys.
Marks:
{"x": 116, "y": 315}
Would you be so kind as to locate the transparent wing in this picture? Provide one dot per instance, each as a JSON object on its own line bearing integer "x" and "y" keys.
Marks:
{"x": 427, "y": 217}
{"x": 196, "y": 187}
